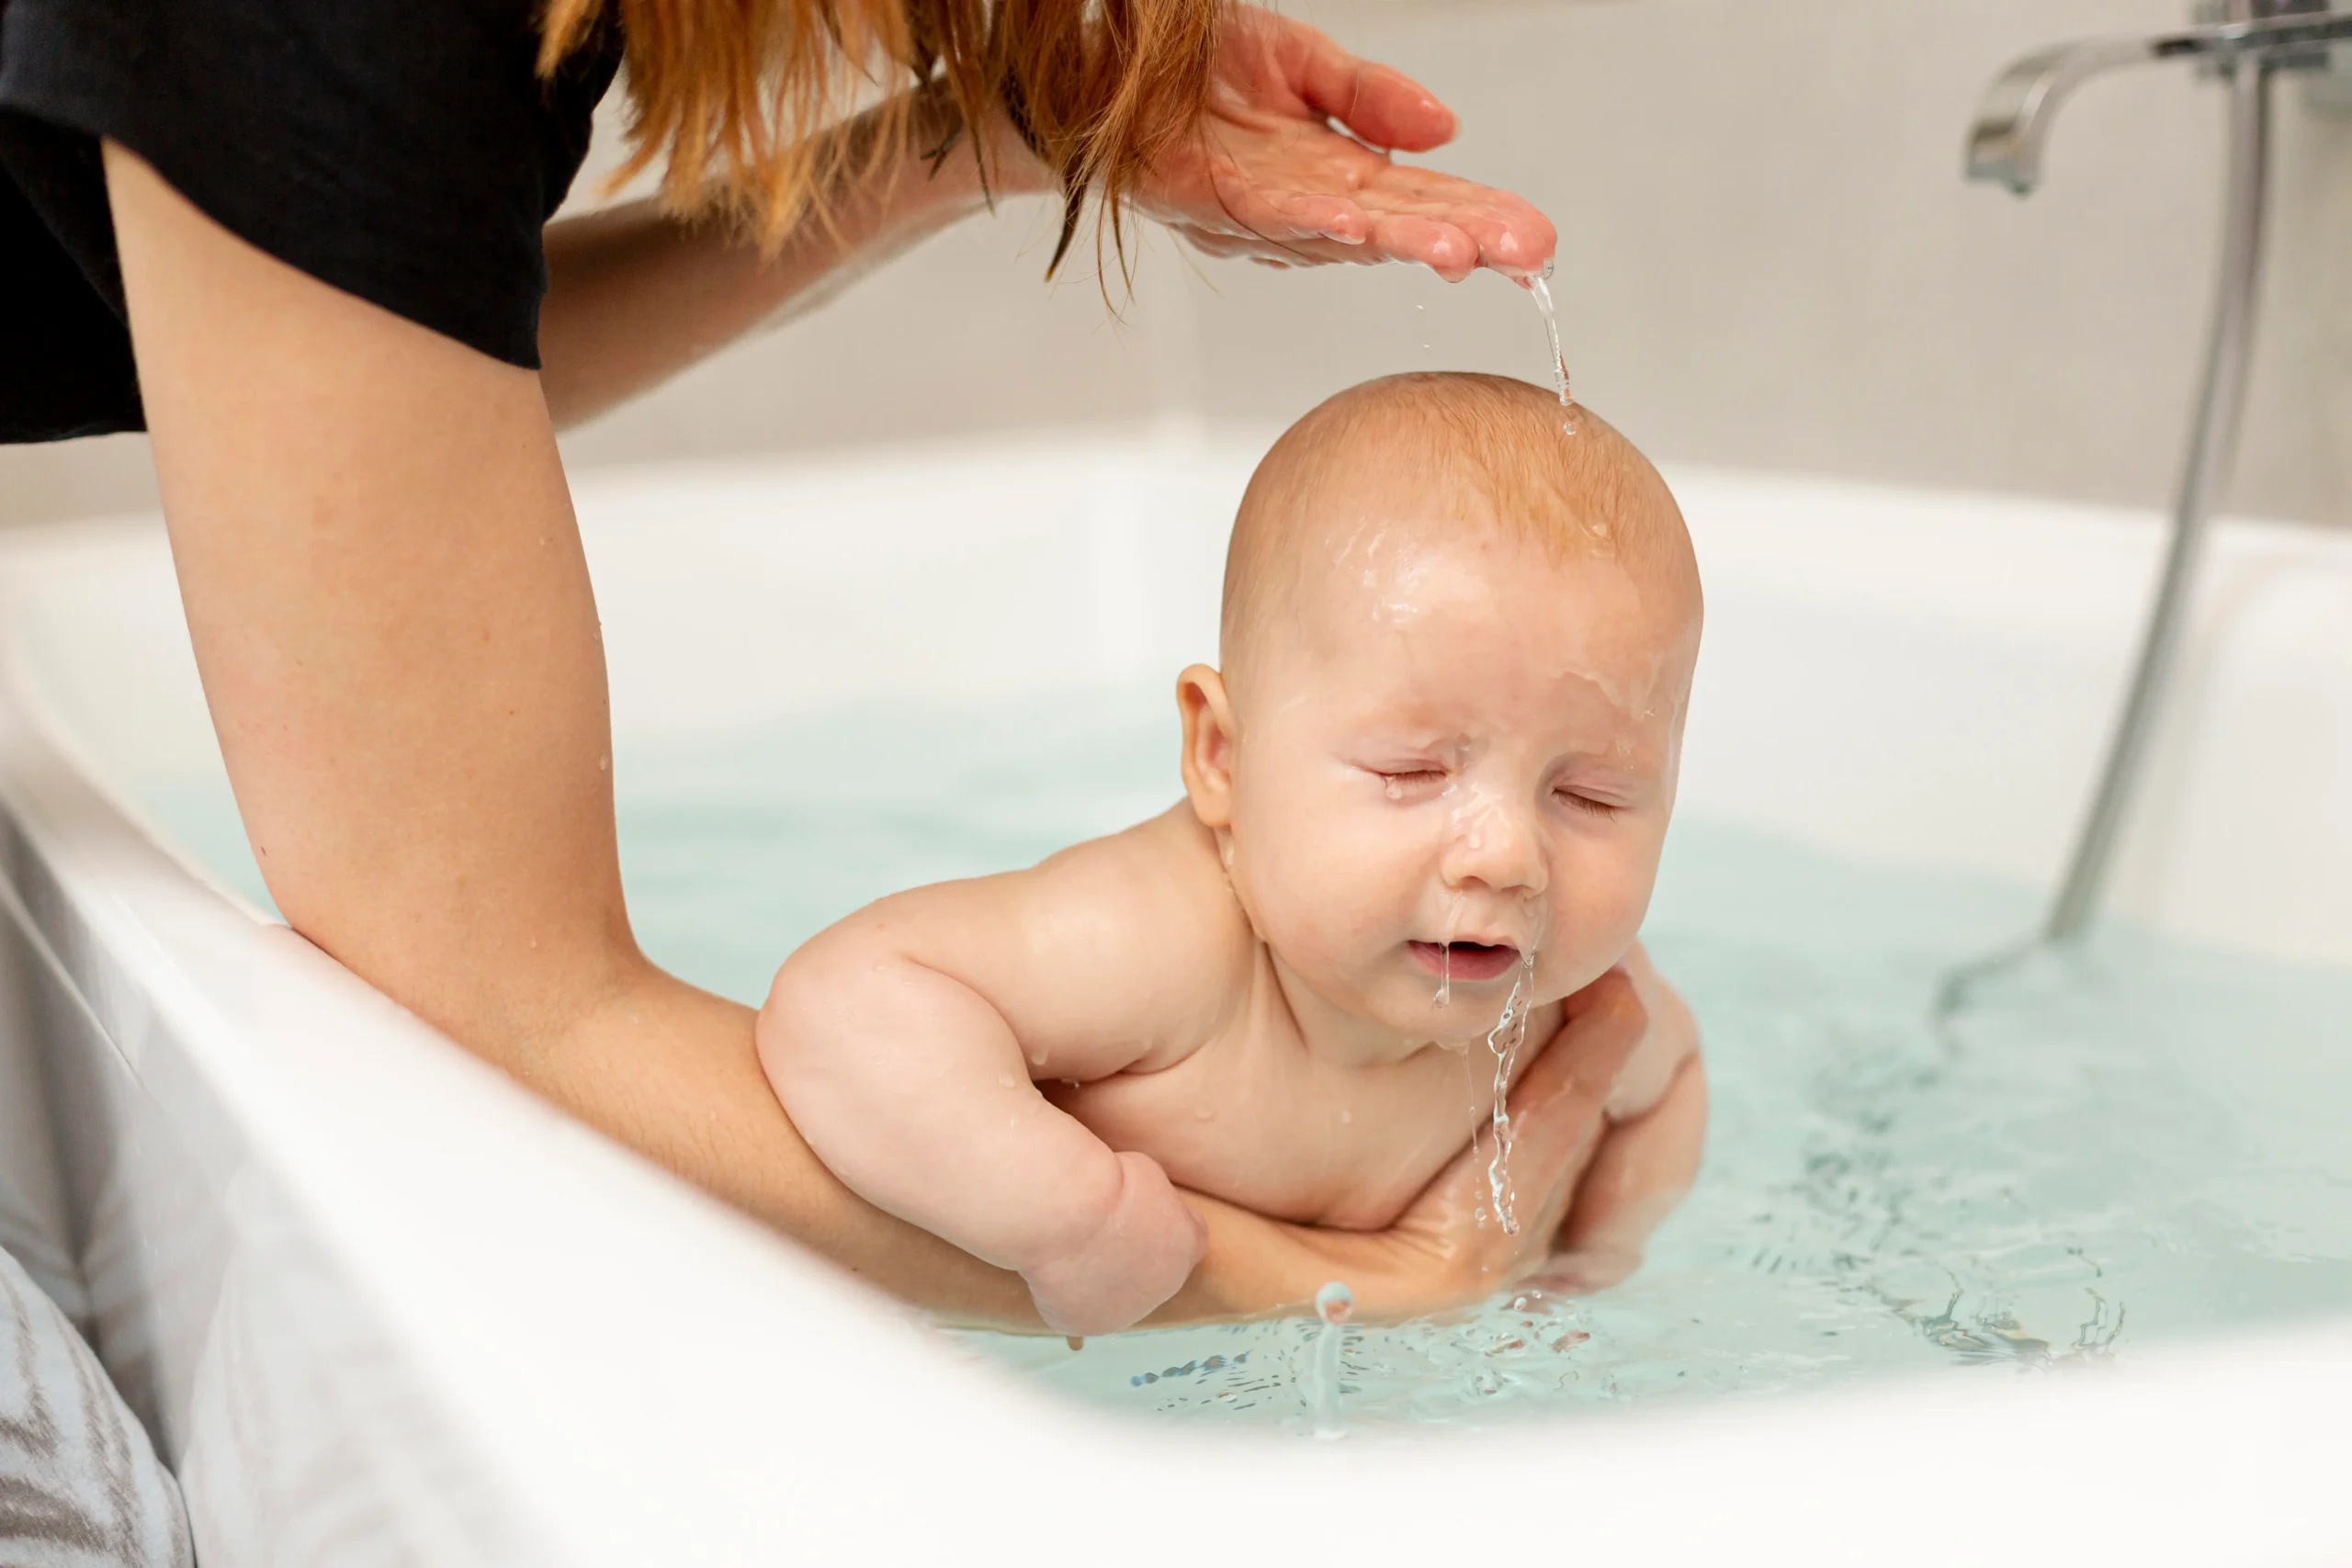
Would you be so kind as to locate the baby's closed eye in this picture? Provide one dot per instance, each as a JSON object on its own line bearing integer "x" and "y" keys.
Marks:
{"x": 1408, "y": 779}
{"x": 1586, "y": 801}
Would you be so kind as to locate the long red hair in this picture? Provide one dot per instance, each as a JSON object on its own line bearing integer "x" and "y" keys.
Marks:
{"x": 732, "y": 95}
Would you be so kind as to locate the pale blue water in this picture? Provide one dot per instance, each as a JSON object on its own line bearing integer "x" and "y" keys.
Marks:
{"x": 2143, "y": 1146}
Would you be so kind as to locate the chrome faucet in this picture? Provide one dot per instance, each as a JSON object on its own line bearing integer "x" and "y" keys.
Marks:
{"x": 2244, "y": 44}
{"x": 2013, "y": 124}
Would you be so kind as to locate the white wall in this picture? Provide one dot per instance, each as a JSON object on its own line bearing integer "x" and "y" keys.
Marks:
{"x": 1769, "y": 260}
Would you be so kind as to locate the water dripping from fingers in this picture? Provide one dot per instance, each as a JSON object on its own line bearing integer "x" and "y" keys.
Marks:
{"x": 1541, "y": 289}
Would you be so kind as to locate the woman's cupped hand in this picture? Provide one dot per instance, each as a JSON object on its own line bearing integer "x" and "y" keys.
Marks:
{"x": 1292, "y": 166}
{"x": 1447, "y": 1250}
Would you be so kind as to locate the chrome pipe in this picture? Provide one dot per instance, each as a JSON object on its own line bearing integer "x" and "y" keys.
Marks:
{"x": 2212, "y": 444}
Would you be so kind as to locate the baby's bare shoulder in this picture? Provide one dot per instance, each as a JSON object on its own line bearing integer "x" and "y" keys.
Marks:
{"x": 1156, "y": 893}
{"x": 1115, "y": 950}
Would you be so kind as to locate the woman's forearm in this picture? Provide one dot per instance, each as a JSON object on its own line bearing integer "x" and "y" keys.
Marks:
{"x": 672, "y": 1072}
{"x": 636, "y": 295}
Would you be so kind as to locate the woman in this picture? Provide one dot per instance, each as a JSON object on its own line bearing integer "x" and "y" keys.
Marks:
{"x": 303, "y": 246}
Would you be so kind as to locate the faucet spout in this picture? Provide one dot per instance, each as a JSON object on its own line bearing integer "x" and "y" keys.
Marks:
{"x": 2013, "y": 123}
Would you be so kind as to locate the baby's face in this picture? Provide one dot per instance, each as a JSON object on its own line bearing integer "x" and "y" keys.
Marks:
{"x": 1453, "y": 750}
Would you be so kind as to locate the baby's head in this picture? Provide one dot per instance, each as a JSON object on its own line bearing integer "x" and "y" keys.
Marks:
{"x": 1456, "y": 655}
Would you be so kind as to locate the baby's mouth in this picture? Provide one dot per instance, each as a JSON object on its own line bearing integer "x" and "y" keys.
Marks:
{"x": 1467, "y": 962}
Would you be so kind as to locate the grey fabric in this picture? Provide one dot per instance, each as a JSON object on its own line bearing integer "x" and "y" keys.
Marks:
{"x": 79, "y": 1484}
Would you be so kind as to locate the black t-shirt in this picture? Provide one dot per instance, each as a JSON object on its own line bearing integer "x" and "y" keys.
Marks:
{"x": 403, "y": 150}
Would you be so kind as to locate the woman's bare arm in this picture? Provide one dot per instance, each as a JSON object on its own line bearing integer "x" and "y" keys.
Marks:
{"x": 636, "y": 295}
{"x": 398, "y": 645}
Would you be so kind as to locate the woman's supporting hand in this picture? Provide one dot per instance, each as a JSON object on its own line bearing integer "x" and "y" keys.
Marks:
{"x": 1440, "y": 1254}
{"x": 1647, "y": 1161}
{"x": 1272, "y": 178}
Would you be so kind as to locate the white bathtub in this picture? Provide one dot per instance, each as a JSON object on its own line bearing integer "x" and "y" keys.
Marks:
{"x": 380, "y": 1306}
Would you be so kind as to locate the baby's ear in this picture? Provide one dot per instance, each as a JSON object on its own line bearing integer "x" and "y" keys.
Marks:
{"x": 1208, "y": 744}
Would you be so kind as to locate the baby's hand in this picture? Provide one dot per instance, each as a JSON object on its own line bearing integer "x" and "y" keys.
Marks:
{"x": 1139, "y": 1256}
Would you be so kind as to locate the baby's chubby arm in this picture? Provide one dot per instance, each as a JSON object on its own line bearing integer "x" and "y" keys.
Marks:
{"x": 904, "y": 1041}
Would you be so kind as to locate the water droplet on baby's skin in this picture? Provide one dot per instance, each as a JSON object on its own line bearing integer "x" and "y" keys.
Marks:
{"x": 1006, "y": 1080}
{"x": 1347, "y": 1117}
{"x": 1452, "y": 925}
{"x": 1393, "y": 789}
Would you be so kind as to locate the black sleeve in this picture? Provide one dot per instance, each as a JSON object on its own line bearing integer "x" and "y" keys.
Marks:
{"x": 403, "y": 150}
{"x": 65, "y": 367}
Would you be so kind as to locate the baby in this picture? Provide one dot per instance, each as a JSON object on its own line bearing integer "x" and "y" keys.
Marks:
{"x": 1425, "y": 800}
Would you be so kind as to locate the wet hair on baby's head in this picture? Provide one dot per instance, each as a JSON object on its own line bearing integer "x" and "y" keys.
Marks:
{"x": 1459, "y": 449}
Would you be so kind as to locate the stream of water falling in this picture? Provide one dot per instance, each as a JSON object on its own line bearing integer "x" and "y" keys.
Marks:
{"x": 1542, "y": 290}
{"x": 1504, "y": 1040}
{"x": 1334, "y": 1304}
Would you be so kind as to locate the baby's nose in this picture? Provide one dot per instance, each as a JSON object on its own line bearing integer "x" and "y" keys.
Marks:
{"x": 1496, "y": 846}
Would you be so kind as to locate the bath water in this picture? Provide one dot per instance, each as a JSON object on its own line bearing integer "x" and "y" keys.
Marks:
{"x": 2140, "y": 1146}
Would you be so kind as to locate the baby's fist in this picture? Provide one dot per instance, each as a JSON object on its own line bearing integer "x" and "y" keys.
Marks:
{"x": 1140, "y": 1256}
